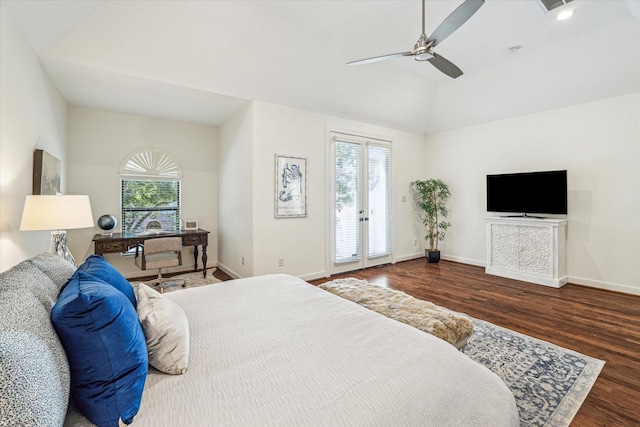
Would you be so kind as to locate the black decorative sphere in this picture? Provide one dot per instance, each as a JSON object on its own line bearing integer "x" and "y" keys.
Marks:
{"x": 107, "y": 222}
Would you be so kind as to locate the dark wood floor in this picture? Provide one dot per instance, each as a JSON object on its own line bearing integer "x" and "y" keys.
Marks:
{"x": 594, "y": 322}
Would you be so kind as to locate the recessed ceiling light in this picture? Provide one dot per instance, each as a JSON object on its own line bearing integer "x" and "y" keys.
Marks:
{"x": 565, "y": 15}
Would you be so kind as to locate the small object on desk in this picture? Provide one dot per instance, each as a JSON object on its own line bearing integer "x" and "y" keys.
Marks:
{"x": 190, "y": 224}
{"x": 107, "y": 223}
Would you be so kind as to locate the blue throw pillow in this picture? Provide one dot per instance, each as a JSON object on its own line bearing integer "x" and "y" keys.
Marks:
{"x": 100, "y": 268}
{"x": 106, "y": 348}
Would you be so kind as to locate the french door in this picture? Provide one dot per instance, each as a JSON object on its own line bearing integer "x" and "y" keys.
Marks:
{"x": 360, "y": 208}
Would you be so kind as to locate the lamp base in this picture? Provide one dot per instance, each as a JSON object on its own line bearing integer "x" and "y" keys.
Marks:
{"x": 59, "y": 245}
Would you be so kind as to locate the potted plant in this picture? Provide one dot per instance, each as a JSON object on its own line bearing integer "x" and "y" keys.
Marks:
{"x": 430, "y": 197}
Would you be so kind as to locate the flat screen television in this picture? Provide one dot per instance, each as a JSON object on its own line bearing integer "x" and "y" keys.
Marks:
{"x": 528, "y": 193}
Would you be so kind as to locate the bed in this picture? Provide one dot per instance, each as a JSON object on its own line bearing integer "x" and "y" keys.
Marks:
{"x": 275, "y": 350}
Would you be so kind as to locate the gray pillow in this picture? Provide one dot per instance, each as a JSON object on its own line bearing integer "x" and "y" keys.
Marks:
{"x": 32, "y": 393}
{"x": 34, "y": 372}
{"x": 166, "y": 330}
{"x": 58, "y": 269}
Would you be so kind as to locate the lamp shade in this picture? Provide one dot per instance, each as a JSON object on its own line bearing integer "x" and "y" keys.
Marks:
{"x": 61, "y": 212}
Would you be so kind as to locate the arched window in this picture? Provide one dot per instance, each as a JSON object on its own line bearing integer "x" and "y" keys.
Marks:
{"x": 150, "y": 191}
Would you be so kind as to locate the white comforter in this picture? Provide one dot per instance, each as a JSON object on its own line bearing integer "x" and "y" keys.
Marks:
{"x": 274, "y": 350}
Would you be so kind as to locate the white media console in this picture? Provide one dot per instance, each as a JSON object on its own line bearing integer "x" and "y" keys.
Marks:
{"x": 528, "y": 249}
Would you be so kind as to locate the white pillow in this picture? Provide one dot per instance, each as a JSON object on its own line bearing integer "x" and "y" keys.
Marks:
{"x": 166, "y": 330}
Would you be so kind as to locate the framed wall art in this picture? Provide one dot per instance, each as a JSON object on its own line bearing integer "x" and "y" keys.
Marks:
{"x": 46, "y": 173}
{"x": 291, "y": 186}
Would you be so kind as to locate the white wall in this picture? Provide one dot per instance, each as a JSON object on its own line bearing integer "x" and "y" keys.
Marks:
{"x": 302, "y": 242}
{"x": 99, "y": 141}
{"x": 33, "y": 115}
{"x": 235, "y": 195}
{"x": 599, "y": 145}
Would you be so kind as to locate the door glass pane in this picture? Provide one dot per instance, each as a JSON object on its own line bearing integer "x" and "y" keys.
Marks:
{"x": 347, "y": 203}
{"x": 379, "y": 170}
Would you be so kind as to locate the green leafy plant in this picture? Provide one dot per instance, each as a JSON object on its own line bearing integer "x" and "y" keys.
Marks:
{"x": 430, "y": 197}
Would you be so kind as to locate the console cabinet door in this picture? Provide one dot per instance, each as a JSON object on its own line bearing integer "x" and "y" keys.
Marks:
{"x": 523, "y": 248}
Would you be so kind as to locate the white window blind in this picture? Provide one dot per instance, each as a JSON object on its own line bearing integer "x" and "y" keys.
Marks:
{"x": 348, "y": 247}
{"x": 379, "y": 171}
{"x": 144, "y": 201}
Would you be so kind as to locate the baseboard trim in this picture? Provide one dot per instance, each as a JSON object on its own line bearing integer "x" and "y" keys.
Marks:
{"x": 305, "y": 277}
{"x": 599, "y": 284}
{"x": 408, "y": 257}
{"x": 446, "y": 257}
{"x": 229, "y": 271}
{"x": 462, "y": 260}
{"x": 314, "y": 276}
{"x": 608, "y": 286}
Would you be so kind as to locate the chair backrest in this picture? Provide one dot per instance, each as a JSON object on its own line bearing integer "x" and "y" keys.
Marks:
{"x": 162, "y": 244}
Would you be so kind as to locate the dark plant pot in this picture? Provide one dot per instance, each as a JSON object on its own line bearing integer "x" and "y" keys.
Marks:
{"x": 433, "y": 257}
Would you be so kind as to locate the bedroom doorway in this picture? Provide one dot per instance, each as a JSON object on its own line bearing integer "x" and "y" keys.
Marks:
{"x": 360, "y": 202}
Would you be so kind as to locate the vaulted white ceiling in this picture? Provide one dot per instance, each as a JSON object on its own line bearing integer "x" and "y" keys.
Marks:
{"x": 200, "y": 61}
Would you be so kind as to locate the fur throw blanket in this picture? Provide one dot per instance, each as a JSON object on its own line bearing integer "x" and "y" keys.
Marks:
{"x": 448, "y": 325}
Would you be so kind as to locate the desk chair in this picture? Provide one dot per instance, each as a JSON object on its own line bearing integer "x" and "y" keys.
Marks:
{"x": 160, "y": 253}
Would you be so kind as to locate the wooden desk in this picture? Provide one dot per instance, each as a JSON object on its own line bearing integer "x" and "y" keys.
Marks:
{"x": 122, "y": 242}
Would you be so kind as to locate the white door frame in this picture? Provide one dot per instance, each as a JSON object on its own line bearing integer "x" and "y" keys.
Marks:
{"x": 364, "y": 261}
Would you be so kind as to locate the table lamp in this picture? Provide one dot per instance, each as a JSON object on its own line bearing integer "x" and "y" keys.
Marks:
{"x": 57, "y": 213}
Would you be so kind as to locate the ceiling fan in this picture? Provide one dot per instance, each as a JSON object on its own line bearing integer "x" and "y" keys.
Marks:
{"x": 423, "y": 49}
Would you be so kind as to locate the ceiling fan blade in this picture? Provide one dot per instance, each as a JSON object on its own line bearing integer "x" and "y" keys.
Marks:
{"x": 445, "y": 66}
{"x": 455, "y": 20}
{"x": 379, "y": 58}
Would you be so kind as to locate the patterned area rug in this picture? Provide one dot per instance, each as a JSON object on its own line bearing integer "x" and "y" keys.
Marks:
{"x": 193, "y": 279}
{"x": 549, "y": 382}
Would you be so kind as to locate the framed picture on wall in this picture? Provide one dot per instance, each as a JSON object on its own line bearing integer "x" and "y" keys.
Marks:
{"x": 46, "y": 173}
{"x": 291, "y": 186}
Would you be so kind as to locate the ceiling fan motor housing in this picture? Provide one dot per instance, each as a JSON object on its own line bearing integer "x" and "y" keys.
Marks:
{"x": 422, "y": 49}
